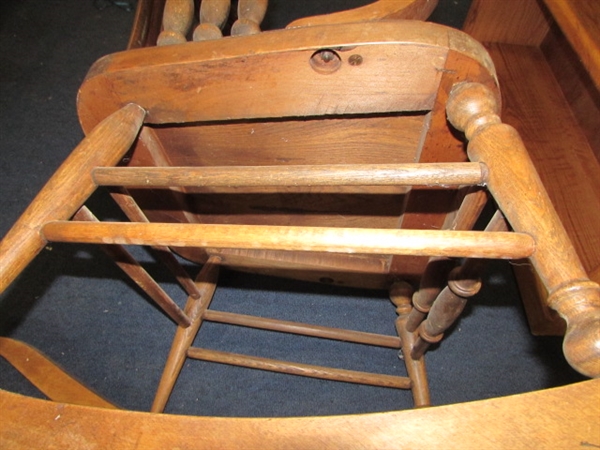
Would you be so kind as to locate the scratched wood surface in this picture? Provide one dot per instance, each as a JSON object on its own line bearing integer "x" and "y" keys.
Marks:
{"x": 565, "y": 417}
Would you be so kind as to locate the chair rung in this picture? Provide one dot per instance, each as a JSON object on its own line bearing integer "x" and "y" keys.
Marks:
{"x": 434, "y": 174}
{"x": 305, "y": 370}
{"x": 473, "y": 244}
{"x": 338, "y": 334}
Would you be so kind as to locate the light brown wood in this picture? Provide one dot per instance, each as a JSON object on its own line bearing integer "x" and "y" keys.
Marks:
{"x": 448, "y": 174}
{"x": 45, "y": 375}
{"x": 177, "y": 20}
{"x": 400, "y": 295}
{"x": 194, "y": 308}
{"x": 117, "y": 79}
{"x": 519, "y": 22}
{"x": 146, "y": 24}
{"x": 473, "y": 109}
{"x": 128, "y": 264}
{"x": 564, "y": 417}
{"x": 345, "y": 240}
{"x": 563, "y": 158}
{"x": 580, "y": 21}
{"x": 250, "y": 14}
{"x": 213, "y": 15}
{"x": 576, "y": 84}
{"x": 378, "y": 10}
{"x": 305, "y": 370}
{"x": 303, "y": 329}
{"x": 68, "y": 188}
{"x": 535, "y": 105}
{"x": 135, "y": 214}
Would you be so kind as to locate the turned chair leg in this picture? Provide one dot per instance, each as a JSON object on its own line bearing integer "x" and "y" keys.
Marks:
{"x": 400, "y": 294}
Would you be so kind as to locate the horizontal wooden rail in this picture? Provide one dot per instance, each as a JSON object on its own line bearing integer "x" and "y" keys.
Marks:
{"x": 473, "y": 244}
{"x": 303, "y": 329}
{"x": 305, "y": 370}
{"x": 449, "y": 174}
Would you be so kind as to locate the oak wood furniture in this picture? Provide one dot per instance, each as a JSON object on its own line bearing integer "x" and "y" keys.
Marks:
{"x": 547, "y": 55}
{"x": 330, "y": 152}
{"x": 565, "y": 417}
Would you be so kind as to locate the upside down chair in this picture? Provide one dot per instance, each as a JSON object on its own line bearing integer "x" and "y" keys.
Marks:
{"x": 331, "y": 151}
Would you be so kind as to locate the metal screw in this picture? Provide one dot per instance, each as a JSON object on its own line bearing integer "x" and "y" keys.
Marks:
{"x": 355, "y": 60}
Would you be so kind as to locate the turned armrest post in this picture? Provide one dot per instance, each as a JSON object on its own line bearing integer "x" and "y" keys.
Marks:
{"x": 68, "y": 188}
{"x": 520, "y": 194}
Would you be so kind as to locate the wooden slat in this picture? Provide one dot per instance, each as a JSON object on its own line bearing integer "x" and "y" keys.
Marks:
{"x": 305, "y": 370}
{"x": 511, "y": 22}
{"x": 303, "y": 329}
{"x": 580, "y": 21}
{"x": 449, "y": 174}
{"x": 344, "y": 240}
{"x": 564, "y": 417}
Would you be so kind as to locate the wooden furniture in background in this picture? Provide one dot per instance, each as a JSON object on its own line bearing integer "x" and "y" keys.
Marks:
{"x": 553, "y": 100}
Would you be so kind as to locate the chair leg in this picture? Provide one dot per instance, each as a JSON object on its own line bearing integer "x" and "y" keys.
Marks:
{"x": 184, "y": 337}
{"x": 400, "y": 294}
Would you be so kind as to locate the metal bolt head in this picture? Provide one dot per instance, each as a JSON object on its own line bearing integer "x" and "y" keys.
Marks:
{"x": 355, "y": 60}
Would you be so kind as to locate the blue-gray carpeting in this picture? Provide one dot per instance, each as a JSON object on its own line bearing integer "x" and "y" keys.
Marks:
{"x": 76, "y": 306}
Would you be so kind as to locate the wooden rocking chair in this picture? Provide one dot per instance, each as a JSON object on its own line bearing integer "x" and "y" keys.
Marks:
{"x": 331, "y": 151}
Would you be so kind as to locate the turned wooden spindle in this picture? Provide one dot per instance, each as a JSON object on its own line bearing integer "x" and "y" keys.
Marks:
{"x": 400, "y": 294}
{"x": 177, "y": 20}
{"x": 213, "y": 15}
{"x": 68, "y": 188}
{"x": 250, "y": 14}
{"x": 463, "y": 283}
{"x": 431, "y": 285}
{"x": 437, "y": 269}
{"x": 520, "y": 194}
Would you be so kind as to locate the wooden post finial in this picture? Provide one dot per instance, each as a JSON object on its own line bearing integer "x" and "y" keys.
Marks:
{"x": 471, "y": 106}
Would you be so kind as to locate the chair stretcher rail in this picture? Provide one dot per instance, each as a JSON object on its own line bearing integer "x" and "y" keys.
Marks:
{"x": 449, "y": 174}
{"x": 294, "y": 368}
{"x": 473, "y": 244}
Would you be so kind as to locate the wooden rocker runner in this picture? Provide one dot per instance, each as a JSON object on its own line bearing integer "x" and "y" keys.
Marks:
{"x": 330, "y": 151}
